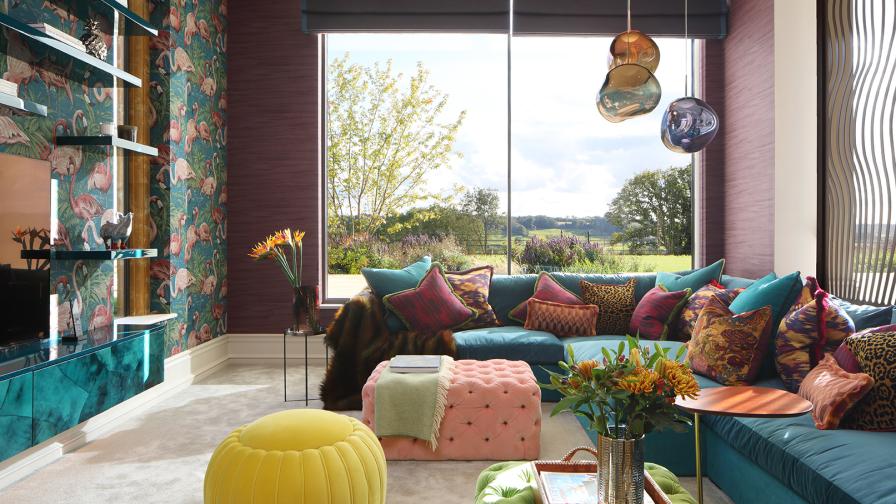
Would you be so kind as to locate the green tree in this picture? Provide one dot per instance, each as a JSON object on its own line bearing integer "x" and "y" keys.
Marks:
{"x": 386, "y": 135}
{"x": 483, "y": 204}
{"x": 654, "y": 206}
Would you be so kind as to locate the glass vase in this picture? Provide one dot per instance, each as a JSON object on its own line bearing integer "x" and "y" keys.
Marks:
{"x": 306, "y": 309}
{"x": 620, "y": 473}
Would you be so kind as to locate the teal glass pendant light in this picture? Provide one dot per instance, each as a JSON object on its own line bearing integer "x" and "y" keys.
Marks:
{"x": 689, "y": 124}
{"x": 630, "y": 89}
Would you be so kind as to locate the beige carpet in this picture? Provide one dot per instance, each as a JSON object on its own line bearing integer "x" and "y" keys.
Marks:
{"x": 159, "y": 456}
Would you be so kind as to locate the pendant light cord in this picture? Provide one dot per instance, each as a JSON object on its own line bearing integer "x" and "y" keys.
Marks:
{"x": 629, "y": 15}
{"x": 686, "y": 48}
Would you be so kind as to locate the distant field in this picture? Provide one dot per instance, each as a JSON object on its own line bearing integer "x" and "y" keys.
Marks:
{"x": 667, "y": 262}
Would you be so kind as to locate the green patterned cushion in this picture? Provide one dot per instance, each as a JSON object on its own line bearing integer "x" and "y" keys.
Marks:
{"x": 514, "y": 483}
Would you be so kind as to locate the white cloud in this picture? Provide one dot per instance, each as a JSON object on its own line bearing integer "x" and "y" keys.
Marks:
{"x": 567, "y": 160}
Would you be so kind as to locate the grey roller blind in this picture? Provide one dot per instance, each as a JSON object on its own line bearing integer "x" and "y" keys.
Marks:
{"x": 461, "y": 16}
{"x": 659, "y": 18}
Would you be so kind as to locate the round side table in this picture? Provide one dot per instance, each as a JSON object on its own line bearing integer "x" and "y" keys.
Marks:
{"x": 740, "y": 401}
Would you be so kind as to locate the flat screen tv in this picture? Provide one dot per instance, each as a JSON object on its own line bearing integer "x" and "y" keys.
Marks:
{"x": 25, "y": 207}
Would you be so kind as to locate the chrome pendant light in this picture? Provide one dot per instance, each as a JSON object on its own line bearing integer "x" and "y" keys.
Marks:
{"x": 689, "y": 124}
{"x": 630, "y": 88}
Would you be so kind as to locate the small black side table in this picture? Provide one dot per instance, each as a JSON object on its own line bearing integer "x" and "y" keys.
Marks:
{"x": 294, "y": 334}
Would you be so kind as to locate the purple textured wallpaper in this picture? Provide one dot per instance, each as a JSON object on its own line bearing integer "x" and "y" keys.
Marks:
{"x": 738, "y": 209}
{"x": 273, "y": 151}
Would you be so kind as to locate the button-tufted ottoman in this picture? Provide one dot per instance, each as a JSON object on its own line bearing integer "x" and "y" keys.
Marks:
{"x": 493, "y": 413}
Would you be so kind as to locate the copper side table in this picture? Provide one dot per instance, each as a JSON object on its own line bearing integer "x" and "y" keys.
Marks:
{"x": 306, "y": 334}
{"x": 756, "y": 402}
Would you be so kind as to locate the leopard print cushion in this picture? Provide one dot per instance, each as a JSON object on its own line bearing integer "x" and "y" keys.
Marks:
{"x": 616, "y": 303}
{"x": 875, "y": 350}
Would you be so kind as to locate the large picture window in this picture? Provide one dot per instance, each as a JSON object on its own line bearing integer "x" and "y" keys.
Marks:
{"x": 418, "y": 160}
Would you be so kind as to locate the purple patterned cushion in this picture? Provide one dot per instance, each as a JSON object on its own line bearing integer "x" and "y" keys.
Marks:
{"x": 695, "y": 305}
{"x": 656, "y": 311}
{"x": 811, "y": 324}
{"x": 431, "y": 306}
{"x": 472, "y": 286}
{"x": 546, "y": 289}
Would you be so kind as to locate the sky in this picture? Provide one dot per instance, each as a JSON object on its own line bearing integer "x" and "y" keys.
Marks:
{"x": 567, "y": 160}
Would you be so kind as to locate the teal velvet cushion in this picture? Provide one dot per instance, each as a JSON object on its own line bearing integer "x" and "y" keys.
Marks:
{"x": 694, "y": 280}
{"x": 389, "y": 281}
{"x": 830, "y": 466}
{"x": 589, "y": 347}
{"x": 509, "y": 342}
{"x": 779, "y": 293}
{"x": 867, "y": 316}
{"x": 733, "y": 282}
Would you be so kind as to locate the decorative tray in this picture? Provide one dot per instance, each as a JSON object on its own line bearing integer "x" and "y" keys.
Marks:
{"x": 652, "y": 492}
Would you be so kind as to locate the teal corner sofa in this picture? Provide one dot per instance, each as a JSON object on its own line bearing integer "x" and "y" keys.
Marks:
{"x": 752, "y": 460}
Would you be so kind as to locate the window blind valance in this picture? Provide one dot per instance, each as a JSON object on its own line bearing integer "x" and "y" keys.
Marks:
{"x": 444, "y": 16}
{"x": 658, "y": 18}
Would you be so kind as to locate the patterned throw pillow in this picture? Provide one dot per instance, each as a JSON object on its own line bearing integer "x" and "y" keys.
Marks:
{"x": 656, "y": 312}
{"x": 875, "y": 350}
{"x": 562, "y": 319}
{"x": 546, "y": 289}
{"x": 832, "y": 391}
{"x": 803, "y": 333}
{"x": 616, "y": 303}
{"x": 729, "y": 348}
{"x": 415, "y": 307}
{"x": 695, "y": 305}
{"x": 472, "y": 286}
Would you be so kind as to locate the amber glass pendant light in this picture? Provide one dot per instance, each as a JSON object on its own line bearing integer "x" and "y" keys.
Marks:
{"x": 689, "y": 124}
{"x": 635, "y": 47}
{"x": 630, "y": 88}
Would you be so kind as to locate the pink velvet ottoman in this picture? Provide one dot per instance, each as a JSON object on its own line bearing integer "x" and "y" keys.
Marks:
{"x": 493, "y": 413}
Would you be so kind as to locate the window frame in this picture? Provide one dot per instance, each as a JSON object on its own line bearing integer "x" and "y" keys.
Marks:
{"x": 695, "y": 161}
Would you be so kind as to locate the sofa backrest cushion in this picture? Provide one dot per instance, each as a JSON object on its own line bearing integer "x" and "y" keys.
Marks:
{"x": 508, "y": 291}
{"x": 867, "y": 316}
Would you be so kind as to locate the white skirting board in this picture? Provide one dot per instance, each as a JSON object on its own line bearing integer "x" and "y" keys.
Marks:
{"x": 180, "y": 371}
{"x": 270, "y": 346}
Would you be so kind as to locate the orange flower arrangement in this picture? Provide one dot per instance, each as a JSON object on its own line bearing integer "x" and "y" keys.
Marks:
{"x": 285, "y": 248}
{"x": 635, "y": 389}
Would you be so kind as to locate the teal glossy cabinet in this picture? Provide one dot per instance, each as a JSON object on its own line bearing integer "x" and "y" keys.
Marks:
{"x": 37, "y": 404}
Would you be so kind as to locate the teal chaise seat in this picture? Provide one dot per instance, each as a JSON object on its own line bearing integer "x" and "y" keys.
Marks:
{"x": 752, "y": 460}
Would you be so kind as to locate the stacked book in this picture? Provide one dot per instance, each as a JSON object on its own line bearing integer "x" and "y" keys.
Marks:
{"x": 415, "y": 363}
{"x": 59, "y": 35}
{"x": 10, "y": 88}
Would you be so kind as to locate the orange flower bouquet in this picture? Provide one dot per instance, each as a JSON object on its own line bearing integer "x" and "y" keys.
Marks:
{"x": 635, "y": 389}
{"x": 284, "y": 247}
{"x": 624, "y": 396}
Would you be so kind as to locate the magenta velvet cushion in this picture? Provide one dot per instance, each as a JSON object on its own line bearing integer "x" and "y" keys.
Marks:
{"x": 431, "y": 306}
{"x": 546, "y": 289}
{"x": 656, "y": 311}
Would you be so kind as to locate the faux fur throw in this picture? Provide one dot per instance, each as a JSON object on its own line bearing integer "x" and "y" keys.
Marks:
{"x": 359, "y": 341}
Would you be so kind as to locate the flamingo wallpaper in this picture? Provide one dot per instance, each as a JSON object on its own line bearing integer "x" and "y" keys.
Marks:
{"x": 77, "y": 103}
{"x": 189, "y": 193}
{"x": 189, "y": 189}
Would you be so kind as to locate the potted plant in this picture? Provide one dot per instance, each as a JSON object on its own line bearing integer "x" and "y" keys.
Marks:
{"x": 285, "y": 248}
{"x": 627, "y": 394}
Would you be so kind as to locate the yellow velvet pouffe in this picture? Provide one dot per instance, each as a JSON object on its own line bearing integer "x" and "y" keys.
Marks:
{"x": 298, "y": 457}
